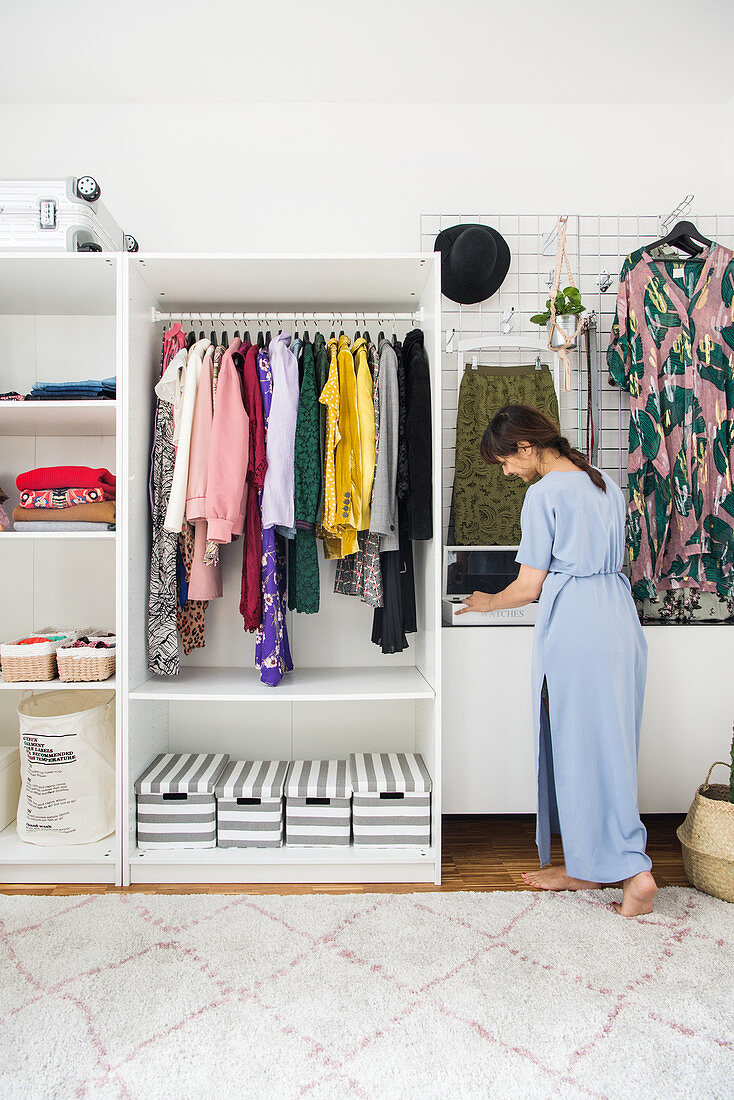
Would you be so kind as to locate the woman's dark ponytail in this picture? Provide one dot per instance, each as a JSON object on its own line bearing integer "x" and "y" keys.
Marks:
{"x": 561, "y": 444}
{"x": 516, "y": 423}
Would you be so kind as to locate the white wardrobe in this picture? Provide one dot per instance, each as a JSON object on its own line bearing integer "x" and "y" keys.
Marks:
{"x": 344, "y": 695}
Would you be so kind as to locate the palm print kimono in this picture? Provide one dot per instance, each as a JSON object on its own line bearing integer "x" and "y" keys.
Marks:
{"x": 272, "y": 652}
{"x": 672, "y": 348}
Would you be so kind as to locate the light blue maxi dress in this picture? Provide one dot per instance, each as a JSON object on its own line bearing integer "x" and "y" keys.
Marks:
{"x": 590, "y": 649}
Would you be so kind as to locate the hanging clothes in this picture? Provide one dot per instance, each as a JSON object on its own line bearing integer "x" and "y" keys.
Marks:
{"x": 163, "y": 655}
{"x": 348, "y": 453}
{"x": 228, "y": 455}
{"x": 303, "y": 561}
{"x": 205, "y": 581}
{"x": 321, "y": 366}
{"x": 277, "y": 499}
{"x": 418, "y": 429}
{"x": 251, "y": 587}
{"x": 486, "y": 505}
{"x": 366, "y": 418}
{"x": 272, "y": 651}
{"x": 671, "y": 349}
{"x": 330, "y": 400}
{"x": 360, "y": 574}
{"x": 177, "y": 499}
{"x": 384, "y": 509}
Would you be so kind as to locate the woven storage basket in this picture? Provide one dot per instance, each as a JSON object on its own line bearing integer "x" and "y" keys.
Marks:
{"x": 707, "y": 840}
{"x": 85, "y": 664}
{"x": 33, "y": 662}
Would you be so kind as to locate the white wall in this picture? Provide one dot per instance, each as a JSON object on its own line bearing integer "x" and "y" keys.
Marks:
{"x": 331, "y": 177}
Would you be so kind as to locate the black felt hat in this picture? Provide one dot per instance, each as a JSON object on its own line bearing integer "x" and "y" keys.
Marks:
{"x": 474, "y": 262}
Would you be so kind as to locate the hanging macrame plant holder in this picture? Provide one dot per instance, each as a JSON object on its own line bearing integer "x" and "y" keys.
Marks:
{"x": 569, "y": 341}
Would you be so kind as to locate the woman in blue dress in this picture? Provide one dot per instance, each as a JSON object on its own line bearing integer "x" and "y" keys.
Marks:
{"x": 589, "y": 659}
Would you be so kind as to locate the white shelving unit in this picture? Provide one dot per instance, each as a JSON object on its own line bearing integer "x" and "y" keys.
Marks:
{"x": 344, "y": 694}
{"x": 60, "y": 318}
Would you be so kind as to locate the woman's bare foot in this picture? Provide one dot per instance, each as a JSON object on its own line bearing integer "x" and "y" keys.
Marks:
{"x": 638, "y": 894}
{"x": 555, "y": 878}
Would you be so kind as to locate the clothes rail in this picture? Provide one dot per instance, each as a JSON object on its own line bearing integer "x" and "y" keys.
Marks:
{"x": 256, "y": 316}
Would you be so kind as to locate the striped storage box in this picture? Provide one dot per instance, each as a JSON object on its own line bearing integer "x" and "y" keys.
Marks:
{"x": 318, "y": 802}
{"x": 250, "y": 804}
{"x": 175, "y": 795}
{"x": 391, "y": 805}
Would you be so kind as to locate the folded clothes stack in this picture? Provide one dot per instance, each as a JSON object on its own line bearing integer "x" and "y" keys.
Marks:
{"x": 91, "y": 389}
{"x": 65, "y": 498}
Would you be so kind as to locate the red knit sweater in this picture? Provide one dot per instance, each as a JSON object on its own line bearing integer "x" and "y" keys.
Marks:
{"x": 64, "y": 477}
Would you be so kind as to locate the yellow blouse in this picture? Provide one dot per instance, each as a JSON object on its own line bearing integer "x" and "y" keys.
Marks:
{"x": 366, "y": 418}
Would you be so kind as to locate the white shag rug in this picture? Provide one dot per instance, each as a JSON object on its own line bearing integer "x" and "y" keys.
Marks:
{"x": 376, "y": 996}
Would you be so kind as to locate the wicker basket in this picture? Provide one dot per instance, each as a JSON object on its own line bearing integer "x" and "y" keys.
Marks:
{"x": 707, "y": 839}
{"x": 33, "y": 662}
{"x": 83, "y": 664}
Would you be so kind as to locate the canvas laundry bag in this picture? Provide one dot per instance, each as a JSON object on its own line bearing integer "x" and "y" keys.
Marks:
{"x": 67, "y": 767}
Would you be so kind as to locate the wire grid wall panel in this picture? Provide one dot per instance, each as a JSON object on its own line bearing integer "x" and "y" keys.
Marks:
{"x": 595, "y": 244}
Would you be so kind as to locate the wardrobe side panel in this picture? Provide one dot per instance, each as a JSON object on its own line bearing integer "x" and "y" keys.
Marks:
{"x": 147, "y": 736}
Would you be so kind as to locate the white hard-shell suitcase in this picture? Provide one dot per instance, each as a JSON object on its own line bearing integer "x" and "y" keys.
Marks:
{"x": 62, "y": 215}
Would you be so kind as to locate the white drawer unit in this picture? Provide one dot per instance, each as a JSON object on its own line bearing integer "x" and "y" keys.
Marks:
{"x": 318, "y": 802}
{"x": 175, "y": 800}
{"x": 250, "y": 804}
{"x": 391, "y": 800}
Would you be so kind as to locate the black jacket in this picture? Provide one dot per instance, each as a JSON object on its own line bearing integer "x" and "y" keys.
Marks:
{"x": 418, "y": 431}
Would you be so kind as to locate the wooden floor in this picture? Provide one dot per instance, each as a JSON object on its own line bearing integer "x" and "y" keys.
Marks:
{"x": 479, "y": 853}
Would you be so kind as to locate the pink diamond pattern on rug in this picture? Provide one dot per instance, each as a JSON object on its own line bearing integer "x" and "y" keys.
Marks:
{"x": 425, "y": 995}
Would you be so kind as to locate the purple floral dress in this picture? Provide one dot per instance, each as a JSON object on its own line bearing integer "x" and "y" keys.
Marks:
{"x": 272, "y": 652}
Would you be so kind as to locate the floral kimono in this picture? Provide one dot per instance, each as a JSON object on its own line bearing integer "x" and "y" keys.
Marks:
{"x": 672, "y": 347}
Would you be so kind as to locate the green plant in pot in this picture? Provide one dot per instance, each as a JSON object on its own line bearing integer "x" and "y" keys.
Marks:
{"x": 707, "y": 836}
{"x": 568, "y": 307}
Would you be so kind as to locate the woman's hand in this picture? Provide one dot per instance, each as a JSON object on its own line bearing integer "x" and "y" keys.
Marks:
{"x": 478, "y": 601}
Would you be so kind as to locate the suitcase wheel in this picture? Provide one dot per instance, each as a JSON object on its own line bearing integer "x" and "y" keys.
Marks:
{"x": 131, "y": 245}
{"x": 89, "y": 246}
{"x": 87, "y": 188}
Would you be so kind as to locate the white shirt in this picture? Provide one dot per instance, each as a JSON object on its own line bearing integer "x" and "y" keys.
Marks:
{"x": 177, "y": 500}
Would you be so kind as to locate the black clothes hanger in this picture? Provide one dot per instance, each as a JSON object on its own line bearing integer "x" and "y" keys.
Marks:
{"x": 305, "y": 336}
{"x": 268, "y": 337}
{"x": 213, "y": 338}
{"x": 366, "y": 335}
{"x": 190, "y": 340}
{"x": 246, "y": 338}
{"x": 685, "y": 236}
{"x": 356, "y": 335}
{"x": 381, "y": 337}
{"x": 260, "y": 340}
{"x": 201, "y": 335}
{"x": 394, "y": 340}
{"x": 236, "y": 334}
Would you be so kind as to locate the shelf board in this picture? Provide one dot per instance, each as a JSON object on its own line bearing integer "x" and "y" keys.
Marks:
{"x": 46, "y": 536}
{"x": 54, "y": 685}
{"x": 58, "y": 418}
{"x": 301, "y": 685}
{"x": 282, "y": 865}
{"x": 209, "y": 281}
{"x": 15, "y": 850}
{"x": 283, "y": 855}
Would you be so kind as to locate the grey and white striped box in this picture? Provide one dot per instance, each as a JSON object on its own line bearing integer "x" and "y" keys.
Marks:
{"x": 391, "y": 803}
{"x": 250, "y": 804}
{"x": 318, "y": 799}
{"x": 175, "y": 800}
